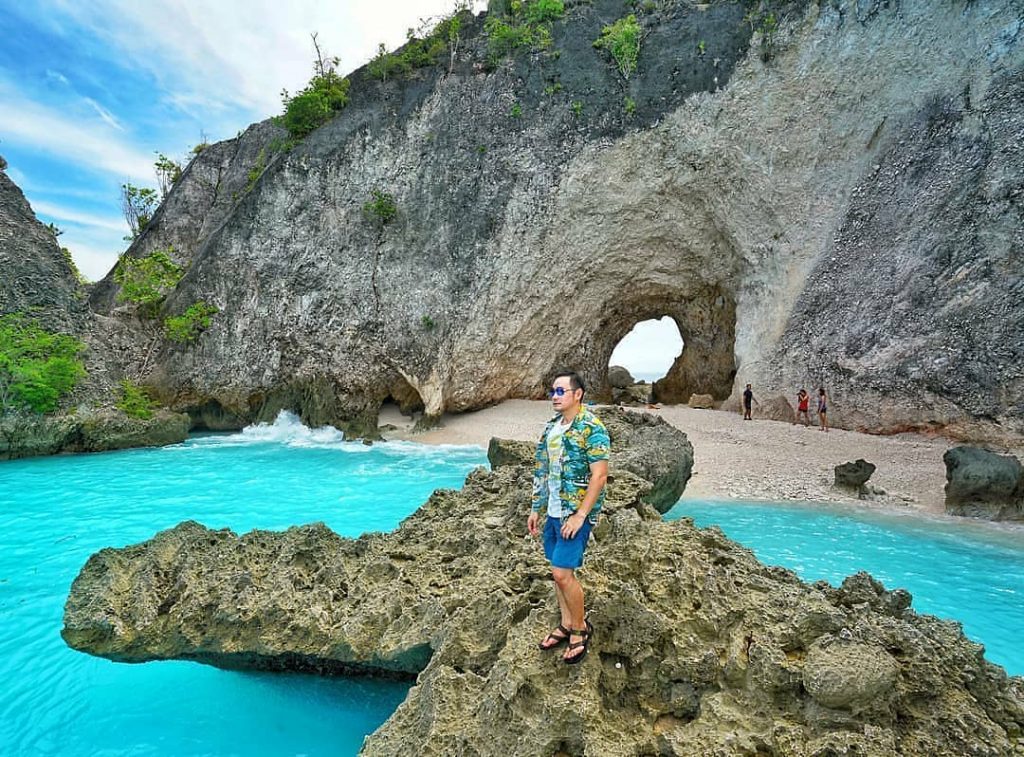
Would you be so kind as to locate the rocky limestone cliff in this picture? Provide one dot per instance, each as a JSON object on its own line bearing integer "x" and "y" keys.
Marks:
{"x": 35, "y": 277}
{"x": 698, "y": 648}
{"x": 838, "y": 205}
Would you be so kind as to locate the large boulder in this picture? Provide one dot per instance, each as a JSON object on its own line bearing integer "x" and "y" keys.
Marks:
{"x": 643, "y": 445}
{"x": 775, "y": 407}
{"x": 854, "y": 475}
{"x": 698, "y": 648}
{"x": 636, "y": 395}
{"x": 651, "y": 448}
{"x": 619, "y": 377}
{"x": 983, "y": 484}
{"x": 701, "y": 401}
{"x": 501, "y": 452}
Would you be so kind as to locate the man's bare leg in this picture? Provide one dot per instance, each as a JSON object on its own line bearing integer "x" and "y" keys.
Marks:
{"x": 563, "y": 610}
{"x": 572, "y": 593}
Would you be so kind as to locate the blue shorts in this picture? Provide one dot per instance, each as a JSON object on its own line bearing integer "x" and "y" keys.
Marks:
{"x": 562, "y": 552}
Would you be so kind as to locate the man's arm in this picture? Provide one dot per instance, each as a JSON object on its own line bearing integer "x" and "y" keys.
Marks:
{"x": 540, "y": 485}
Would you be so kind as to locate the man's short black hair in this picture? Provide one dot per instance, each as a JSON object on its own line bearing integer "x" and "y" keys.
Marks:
{"x": 575, "y": 380}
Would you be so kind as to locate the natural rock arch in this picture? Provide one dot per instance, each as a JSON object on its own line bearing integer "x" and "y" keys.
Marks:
{"x": 706, "y": 319}
{"x": 648, "y": 349}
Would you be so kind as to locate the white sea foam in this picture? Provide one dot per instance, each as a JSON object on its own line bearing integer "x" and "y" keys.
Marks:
{"x": 289, "y": 431}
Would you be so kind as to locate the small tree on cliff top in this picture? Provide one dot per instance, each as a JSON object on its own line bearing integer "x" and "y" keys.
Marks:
{"x": 324, "y": 96}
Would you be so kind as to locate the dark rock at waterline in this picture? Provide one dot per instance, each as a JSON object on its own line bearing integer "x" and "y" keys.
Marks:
{"x": 698, "y": 648}
{"x": 983, "y": 484}
{"x": 501, "y": 452}
{"x": 92, "y": 431}
{"x": 854, "y": 475}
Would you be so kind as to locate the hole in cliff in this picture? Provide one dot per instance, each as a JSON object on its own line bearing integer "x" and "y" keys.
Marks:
{"x": 646, "y": 353}
{"x": 402, "y": 405}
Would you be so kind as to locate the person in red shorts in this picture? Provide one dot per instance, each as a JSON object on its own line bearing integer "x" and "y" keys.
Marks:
{"x": 803, "y": 402}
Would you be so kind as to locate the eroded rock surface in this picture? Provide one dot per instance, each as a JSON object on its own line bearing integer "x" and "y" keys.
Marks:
{"x": 698, "y": 648}
{"x": 854, "y": 475}
{"x": 984, "y": 484}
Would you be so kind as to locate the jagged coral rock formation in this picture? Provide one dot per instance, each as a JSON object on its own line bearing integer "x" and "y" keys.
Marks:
{"x": 699, "y": 649}
{"x": 834, "y": 203}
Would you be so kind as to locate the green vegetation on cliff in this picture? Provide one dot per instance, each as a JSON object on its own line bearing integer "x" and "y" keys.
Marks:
{"x": 324, "y": 96}
{"x": 138, "y": 205}
{"x": 189, "y": 325}
{"x": 146, "y": 281}
{"x": 381, "y": 207}
{"x": 37, "y": 367}
{"x": 133, "y": 401}
{"x": 622, "y": 41}
{"x": 526, "y": 25}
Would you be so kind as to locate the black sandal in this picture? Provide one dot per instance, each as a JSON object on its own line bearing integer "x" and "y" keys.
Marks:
{"x": 586, "y": 633}
{"x": 559, "y": 640}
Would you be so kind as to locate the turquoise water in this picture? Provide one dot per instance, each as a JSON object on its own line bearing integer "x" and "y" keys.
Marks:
{"x": 57, "y": 511}
{"x": 967, "y": 571}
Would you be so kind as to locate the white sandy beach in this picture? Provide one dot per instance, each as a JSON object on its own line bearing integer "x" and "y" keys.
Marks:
{"x": 737, "y": 459}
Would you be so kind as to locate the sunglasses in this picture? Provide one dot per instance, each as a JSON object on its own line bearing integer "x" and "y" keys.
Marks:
{"x": 557, "y": 392}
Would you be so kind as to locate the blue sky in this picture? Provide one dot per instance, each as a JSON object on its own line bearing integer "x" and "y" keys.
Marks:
{"x": 91, "y": 91}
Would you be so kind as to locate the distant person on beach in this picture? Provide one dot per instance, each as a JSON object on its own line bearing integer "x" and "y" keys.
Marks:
{"x": 748, "y": 398}
{"x": 822, "y": 409}
{"x": 803, "y": 402}
{"x": 569, "y": 475}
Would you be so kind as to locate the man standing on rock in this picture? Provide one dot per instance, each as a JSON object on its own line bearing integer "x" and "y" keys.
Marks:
{"x": 569, "y": 477}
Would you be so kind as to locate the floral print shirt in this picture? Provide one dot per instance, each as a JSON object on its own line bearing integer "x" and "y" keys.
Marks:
{"x": 584, "y": 442}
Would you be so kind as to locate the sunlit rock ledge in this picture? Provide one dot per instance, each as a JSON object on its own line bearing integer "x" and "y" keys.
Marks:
{"x": 698, "y": 648}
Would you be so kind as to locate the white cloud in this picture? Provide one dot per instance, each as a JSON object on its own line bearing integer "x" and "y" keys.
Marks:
{"x": 105, "y": 114}
{"x": 235, "y": 54}
{"x": 78, "y": 217}
{"x": 93, "y": 262}
{"x": 34, "y": 126}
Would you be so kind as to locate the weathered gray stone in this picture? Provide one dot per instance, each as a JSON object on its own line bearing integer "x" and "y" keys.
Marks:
{"x": 36, "y": 276}
{"x": 853, "y": 475}
{"x": 983, "y": 484}
{"x": 501, "y": 452}
{"x": 87, "y": 431}
{"x": 698, "y": 648}
{"x": 619, "y": 377}
{"x": 635, "y": 395}
{"x": 775, "y": 407}
{"x": 651, "y": 448}
{"x": 845, "y": 675}
{"x": 702, "y": 401}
